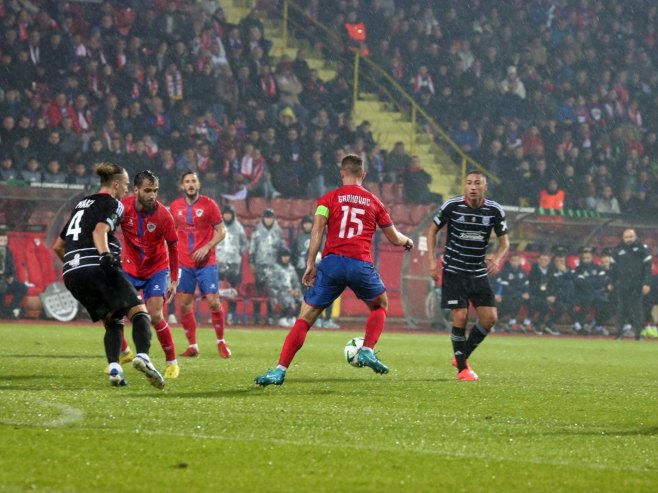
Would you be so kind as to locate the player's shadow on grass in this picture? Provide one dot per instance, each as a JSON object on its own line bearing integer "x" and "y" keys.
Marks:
{"x": 173, "y": 394}
{"x": 646, "y": 431}
{"x": 53, "y": 356}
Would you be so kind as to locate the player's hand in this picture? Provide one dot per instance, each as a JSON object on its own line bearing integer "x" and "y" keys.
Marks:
{"x": 493, "y": 264}
{"x": 409, "y": 245}
{"x": 109, "y": 262}
{"x": 199, "y": 255}
{"x": 434, "y": 270}
{"x": 171, "y": 291}
{"x": 309, "y": 276}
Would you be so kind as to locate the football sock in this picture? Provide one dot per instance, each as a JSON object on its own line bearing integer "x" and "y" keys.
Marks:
{"x": 125, "y": 348}
{"x": 189, "y": 326}
{"x": 142, "y": 332}
{"x": 218, "y": 322}
{"x": 163, "y": 333}
{"x": 112, "y": 340}
{"x": 281, "y": 367}
{"x": 477, "y": 335}
{"x": 374, "y": 327}
{"x": 294, "y": 341}
{"x": 458, "y": 338}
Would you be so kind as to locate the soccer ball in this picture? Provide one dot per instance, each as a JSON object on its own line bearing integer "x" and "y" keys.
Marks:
{"x": 352, "y": 349}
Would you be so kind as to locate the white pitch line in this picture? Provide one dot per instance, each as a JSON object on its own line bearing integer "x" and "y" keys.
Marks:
{"x": 69, "y": 415}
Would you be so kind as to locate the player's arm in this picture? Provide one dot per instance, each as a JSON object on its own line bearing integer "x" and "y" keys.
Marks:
{"x": 396, "y": 238}
{"x": 432, "y": 233}
{"x": 99, "y": 236}
{"x": 218, "y": 235}
{"x": 172, "y": 250}
{"x": 317, "y": 234}
{"x": 59, "y": 248}
{"x": 493, "y": 260}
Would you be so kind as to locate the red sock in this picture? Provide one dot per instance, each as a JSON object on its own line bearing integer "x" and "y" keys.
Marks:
{"x": 374, "y": 327}
{"x": 189, "y": 326}
{"x": 294, "y": 342}
{"x": 163, "y": 332}
{"x": 124, "y": 344}
{"x": 218, "y": 322}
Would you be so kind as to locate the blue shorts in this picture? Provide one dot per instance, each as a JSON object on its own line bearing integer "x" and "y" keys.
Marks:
{"x": 205, "y": 277}
{"x": 155, "y": 286}
{"x": 335, "y": 273}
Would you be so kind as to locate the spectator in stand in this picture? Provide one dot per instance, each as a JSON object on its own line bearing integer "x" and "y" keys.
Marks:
{"x": 552, "y": 196}
{"x": 416, "y": 182}
{"x": 562, "y": 291}
{"x": 397, "y": 162}
{"x": 229, "y": 256}
{"x": 8, "y": 171}
{"x": 32, "y": 171}
{"x": 465, "y": 137}
{"x": 607, "y": 203}
{"x": 54, "y": 173}
{"x": 284, "y": 288}
{"x": 9, "y": 285}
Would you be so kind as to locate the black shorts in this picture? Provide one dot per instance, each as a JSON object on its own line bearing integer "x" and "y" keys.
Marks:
{"x": 458, "y": 290}
{"x": 102, "y": 293}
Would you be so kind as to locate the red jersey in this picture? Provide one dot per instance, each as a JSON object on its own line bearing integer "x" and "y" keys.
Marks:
{"x": 196, "y": 226}
{"x": 354, "y": 214}
{"x": 150, "y": 241}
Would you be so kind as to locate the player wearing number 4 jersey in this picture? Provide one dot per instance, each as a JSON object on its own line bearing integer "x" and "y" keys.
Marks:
{"x": 92, "y": 272}
{"x": 151, "y": 258}
{"x": 350, "y": 215}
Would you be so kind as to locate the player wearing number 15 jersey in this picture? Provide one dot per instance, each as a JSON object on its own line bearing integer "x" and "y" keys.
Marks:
{"x": 350, "y": 215}
{"x": 92, "y": 272}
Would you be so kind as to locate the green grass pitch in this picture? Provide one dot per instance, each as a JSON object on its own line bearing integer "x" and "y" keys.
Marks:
{"x": 548, "y": 415}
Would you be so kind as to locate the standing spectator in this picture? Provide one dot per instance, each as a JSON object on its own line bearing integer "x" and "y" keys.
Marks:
{"x": 631, "y": 281}
{"x": 266, "y": 240}
{"x": 200, "y": 228}
{"x": 9, "y": 285}
{"x": 284, "y": 288}
{"x": 229, "y": 256}
{"x": 397, "y": 162}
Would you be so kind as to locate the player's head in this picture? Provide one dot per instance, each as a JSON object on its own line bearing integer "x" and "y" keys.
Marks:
{"x": 351, "y": 166}
{"x": 228, "y": 213}
{"x": 114, "y": 179}
{"x": 190, "y": 184}
{"x": 307, "y": 223}
{"x": 146, "y": 188}
{"x": 475, "y": 186}
{"x": 630, "y": 236}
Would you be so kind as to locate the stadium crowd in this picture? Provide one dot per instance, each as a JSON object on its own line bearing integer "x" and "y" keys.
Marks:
{"x": 557, "y": 98}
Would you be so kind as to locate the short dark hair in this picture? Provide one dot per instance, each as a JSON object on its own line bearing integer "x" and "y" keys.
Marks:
{"x": 108, "y": 172}
{"x": 185, "y": 173}
{"x": 145, "y": 175}
{"x": 352, "y": 164}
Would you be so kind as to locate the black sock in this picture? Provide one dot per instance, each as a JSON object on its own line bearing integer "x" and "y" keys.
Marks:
{"x": 458, "y": 338}
{"x": 477, "y": 335}
{"x": 142, "y": 332}
{"x": 112, "y": 340}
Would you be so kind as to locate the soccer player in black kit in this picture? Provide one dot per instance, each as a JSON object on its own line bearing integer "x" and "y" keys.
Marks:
{"x": 470, "y": 219}
{"x": 92, "y": 272}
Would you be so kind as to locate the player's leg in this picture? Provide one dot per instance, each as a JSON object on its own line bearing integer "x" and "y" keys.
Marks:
{"x": 207, "y": 278}
{"x": 141, "y": 322}
{"x": 112, "y": 343}
{"x": 155, "y": 290}
{"x": 185, "y": 295}
{"x": 454, "y": 296}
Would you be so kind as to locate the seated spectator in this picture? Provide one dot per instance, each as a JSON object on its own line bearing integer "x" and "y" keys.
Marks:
{"x": 9, "y": 285}
{"x": 465, "y": 137}
{"x": 7, "y": 169}
{"x": 607, "y": 202}
{"x": 396, "y": 163}
{"x": 32, "y": 171}
{"x": 80, "y": 175}
{"x": 552, "y": 196}
{"x": 54, "y": 173}
{"x": 416, "y": 183}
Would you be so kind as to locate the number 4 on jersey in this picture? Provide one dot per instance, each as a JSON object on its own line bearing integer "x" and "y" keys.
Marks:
{"x": 355, "y": 223}
{"x": 74, "y": 228}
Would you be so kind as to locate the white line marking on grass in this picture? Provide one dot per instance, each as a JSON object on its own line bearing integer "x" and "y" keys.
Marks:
{"x": 68, "y": 415}
{"x": 374, "y": 448}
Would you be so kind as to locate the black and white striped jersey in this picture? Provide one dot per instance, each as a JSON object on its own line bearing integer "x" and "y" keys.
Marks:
{"x": 468, "y": 234}
{"x": 78, "y": 231}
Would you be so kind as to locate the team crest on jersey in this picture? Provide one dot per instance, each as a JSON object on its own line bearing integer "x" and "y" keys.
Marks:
{"x": 199, "y": 212}
{"x": 486, "y": 220}
{"x": 150, "y": 227}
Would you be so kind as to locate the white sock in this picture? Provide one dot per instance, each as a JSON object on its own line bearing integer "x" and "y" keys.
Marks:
{"x": 220, "y": 340}
{"x": 367, "y": 348}
{"x": 281, "y": 367}
{"x": 115, "y": 366}
{"x": 172, "y": 362}
{"x": 126, "y": 351}
{"x": 194, "y": 346}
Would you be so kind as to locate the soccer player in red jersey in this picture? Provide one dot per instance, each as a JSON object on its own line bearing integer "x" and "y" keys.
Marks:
{"x": 151, "y": 257}
{"x": 200, "y": 228}
{"x": 350, "y": 215}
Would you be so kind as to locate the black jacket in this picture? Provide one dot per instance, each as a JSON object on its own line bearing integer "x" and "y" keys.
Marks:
{"x": 632, "y": 267}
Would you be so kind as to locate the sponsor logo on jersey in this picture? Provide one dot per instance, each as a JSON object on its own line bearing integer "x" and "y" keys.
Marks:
{"x": 453, "y": 302}
{"x": 76, "y": 260}
{"x": 471, "y": 236}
